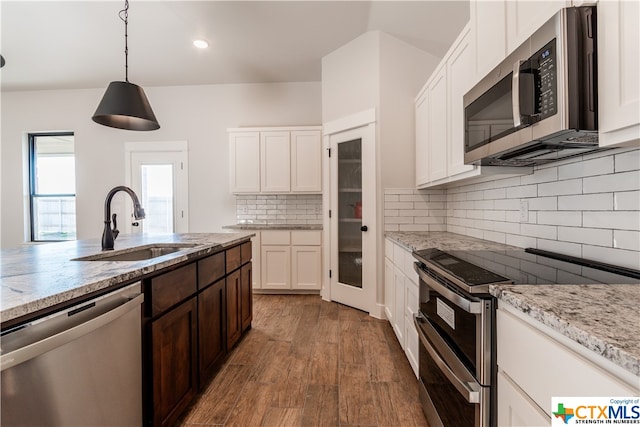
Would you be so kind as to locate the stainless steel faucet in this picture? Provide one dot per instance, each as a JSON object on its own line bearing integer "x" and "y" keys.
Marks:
{"x": 109, "y": 235}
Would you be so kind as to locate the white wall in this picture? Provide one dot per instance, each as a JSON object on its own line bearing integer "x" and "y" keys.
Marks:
{"x": 197, "y": 114}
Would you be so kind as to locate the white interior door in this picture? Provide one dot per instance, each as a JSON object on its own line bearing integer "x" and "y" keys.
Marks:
{"x": 160, "y": 179}
{"x": 352, "y": 222}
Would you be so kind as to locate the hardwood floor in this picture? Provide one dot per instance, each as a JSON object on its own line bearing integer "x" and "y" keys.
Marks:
{"x": 308, "y": 362}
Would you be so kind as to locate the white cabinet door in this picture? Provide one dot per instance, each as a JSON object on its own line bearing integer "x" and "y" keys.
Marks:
{"x": 524, "y": 17}
{"x": 306, "y": 267}
{"x": 306, "y": 162}
{"x": 275, "y": 163}
{"x": 437, "y": 141}
{"x": 256, "y": 277}
{"x": 411, "y": 335}
{"x": 244, "y": 162}
{"x": 618, "y": 65}
{"x": 389, "y": 293}
{"x": 488, "y": 19}
{"x": 516, "y": 409}
{"x": 276, "y": 266}
{"x": 399, "y": 298}
{"x": 422, "y": 136}
{"x": 460, "y": 74}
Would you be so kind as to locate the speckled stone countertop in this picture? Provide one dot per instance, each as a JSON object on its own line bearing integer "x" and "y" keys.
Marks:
{"x": 603, "y": 318}
{"x": 259, "y": 227}
{"x": 36, "y": 277}
{"x": 442, "y": 240}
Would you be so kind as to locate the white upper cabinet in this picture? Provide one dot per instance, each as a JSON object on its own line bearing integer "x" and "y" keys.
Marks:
{"x": 306, "y": 162}
{"x": 422, "y": 136}
{"x": 524, "y": 17}
{"x": 618, "y": 79}
{"x": 460, "y": 78}
{"x": 244, "y": 160}
{"x": 437, "y": 119}
{"x": 275, "y": 160}
{"x": 488, "y": 21}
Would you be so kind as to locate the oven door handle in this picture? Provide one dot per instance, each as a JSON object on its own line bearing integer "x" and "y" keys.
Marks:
{"x": 455, "y": 371}
{"x": 472, "y": 307}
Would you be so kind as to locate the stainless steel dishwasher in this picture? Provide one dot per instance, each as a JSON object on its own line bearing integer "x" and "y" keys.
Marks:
{"x": 78, "y": 367}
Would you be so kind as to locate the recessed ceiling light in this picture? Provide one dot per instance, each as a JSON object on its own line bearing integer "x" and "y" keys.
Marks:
{"x": 201, "y": 44}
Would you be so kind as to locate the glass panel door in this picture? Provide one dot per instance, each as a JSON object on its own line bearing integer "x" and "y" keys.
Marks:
{"x": 157, "y": 198}
{"x": 349, "y": 183}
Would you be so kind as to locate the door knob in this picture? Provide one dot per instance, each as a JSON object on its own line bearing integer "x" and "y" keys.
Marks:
{"x": 364, "y": 228}
{"x": 135, "y": 224}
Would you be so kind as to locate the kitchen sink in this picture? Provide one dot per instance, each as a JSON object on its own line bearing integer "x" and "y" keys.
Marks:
{"x": 138, "y": 253}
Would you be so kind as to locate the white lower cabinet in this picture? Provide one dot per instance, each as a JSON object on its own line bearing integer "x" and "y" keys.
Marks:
{"x": 401, "y": 298}
{"x": 290, "y": 260}
{"x": 536, "y": 363}
{"x": 516, "y": 408}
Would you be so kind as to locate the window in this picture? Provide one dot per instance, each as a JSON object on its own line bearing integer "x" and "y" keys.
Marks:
{"x": 52, "y": 187}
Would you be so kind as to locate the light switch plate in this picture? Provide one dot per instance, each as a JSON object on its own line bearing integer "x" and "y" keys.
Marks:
{"x": 524, "y": 211}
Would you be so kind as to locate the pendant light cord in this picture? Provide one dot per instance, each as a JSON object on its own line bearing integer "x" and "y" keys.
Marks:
{"x": 124, "y": 15}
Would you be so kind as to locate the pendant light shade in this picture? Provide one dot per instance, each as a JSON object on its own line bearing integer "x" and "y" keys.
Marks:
{"x": 125, "y": 106}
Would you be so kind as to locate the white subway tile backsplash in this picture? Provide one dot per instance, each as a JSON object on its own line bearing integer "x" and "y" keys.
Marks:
{"x": 627, "y": 161}
{"x": 539, "y": 231}
{"x": 599, "y": 166}
{"x": 560, "y": 218}
{"x": 624, "y": 239}
{"x": 507, "y": 204}
{"x": 495, "y": 236}
{"x": 520, "y": 241}
{"x": 279, "y": 209}
{"x": 572, "y": 186}
{"x": 543, "y": 203}
{"x": 627, "y": 201}
{"x": 542, "y": 175}
{"x": 617, "y": 220}
{"x": 590, "y": 236}
{"x": 496, "y": 193}
{"x": 567, "y": 248}
{"x": 613, "y": 256}
{"x": 522, "y": 191}
{"x": 624, "y": 181}
{"x": 587, "y": 202}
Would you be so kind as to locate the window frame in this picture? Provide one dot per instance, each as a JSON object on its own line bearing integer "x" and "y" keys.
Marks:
{"x": 32, "y": 183}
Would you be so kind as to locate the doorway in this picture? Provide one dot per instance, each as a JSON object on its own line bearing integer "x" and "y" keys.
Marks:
{"x": 158, "y": 173}
{"x": 352, "y": 221}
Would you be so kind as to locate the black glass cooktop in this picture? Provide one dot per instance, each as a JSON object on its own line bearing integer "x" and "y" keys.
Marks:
{"x": 524, "y": 266}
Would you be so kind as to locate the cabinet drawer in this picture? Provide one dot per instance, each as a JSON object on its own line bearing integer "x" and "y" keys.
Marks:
{"x": 276, "y": 237}
{"x": 170, "y": 288}
{"x": 245, "y": 252}
{"x": 234, "y": 260}
{"x": 306, "y": 238}
{"x": 210, "y": 269}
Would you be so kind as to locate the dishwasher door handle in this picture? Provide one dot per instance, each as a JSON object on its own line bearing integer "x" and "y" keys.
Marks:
{"x": 35, "y": 349}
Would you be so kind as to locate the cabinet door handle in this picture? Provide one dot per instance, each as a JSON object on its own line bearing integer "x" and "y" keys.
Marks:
{"x": 364, "y": 228}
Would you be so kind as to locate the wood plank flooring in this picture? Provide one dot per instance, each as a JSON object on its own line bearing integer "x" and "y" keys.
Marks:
{"x": 308, "y": 362}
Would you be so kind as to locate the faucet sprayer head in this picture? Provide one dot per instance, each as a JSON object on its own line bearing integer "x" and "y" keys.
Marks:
{"x": 138, "y": 212}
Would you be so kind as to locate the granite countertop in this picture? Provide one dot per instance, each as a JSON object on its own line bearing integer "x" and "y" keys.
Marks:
{"x": 36, "y": 277}
{"x": 601, "y": 317}
{"x": 254, "y": 226}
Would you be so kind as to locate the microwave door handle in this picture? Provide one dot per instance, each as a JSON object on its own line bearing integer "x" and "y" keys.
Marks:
{"x": 515, "y": 94}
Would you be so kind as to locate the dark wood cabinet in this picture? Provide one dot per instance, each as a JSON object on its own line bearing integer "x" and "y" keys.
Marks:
{"x": 193, "y": 315}
{"x": 173, "y": 349}
{"x": 246, "y": 296}
{"x": 234, "y": 316}
{"x": 212, "y": 325}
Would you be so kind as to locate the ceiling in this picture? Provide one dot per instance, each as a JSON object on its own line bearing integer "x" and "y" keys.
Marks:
{"x": 80, "y": 44}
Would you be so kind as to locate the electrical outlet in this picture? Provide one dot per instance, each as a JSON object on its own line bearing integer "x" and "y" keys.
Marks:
{"x": 243, "y": 210}
{"x": 524, "y": 211}
{"x": 318, "y": 211}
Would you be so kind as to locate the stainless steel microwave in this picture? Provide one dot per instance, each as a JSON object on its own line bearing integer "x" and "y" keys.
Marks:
{"x": 540, "y": 104}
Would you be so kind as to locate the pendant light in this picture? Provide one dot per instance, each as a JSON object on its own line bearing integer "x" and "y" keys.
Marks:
{"x": 124, "y": 105}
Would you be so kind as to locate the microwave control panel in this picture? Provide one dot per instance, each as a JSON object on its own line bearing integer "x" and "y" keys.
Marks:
{"x": 546, "y": 87}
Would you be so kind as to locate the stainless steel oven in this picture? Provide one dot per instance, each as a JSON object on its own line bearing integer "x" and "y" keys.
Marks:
{"x": 456, "y": 322}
